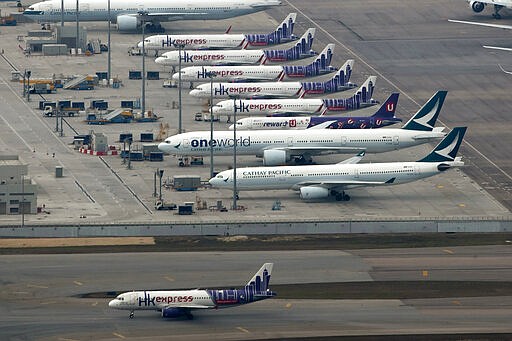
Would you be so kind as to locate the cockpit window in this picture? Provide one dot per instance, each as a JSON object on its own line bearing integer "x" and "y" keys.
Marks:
{"x": 220, "y": 176}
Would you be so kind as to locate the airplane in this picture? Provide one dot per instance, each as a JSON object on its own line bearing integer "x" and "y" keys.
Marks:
{"x": 321, "y": 181}
{"x": 129, "y": 14}
{"x": 385, "y": 116}
{"x": 302, "y": 49}
{"x": 298, "y": 106}
{"x": 282, "y": 34}
{"x": 265, "y": 90}
{"x": 255, "y": 73}
{"x": 177, "y": 303}
{"x": 478, "y": 6}
{"x": 277, "y": 147}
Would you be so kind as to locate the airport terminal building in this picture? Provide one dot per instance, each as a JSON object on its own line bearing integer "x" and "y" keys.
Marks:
{"x": 18, "y": 194}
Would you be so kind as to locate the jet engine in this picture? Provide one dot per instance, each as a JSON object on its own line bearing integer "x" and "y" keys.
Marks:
{"x": 172, "y": 312}
{"x": 477, "y": 6}
{"x": 127, "y": 23}
{"x": 275, "y": 157}
{"x": 313, "y": 192}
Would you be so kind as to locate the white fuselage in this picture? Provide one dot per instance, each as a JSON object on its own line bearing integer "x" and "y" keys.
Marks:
{"x": 232, "y": 73}
{"x": 249, "y": 90}
{"x": 267, "y": 123}
{"x": 305, "y": 106}
{"x": 290, "y": 177}
{"x": 209, "y": 57}
{"x": 197, "y": 143}
{"x": 156, "y": 300}
{"x": 160, "y": 10}
{"x": 193, "y": 41}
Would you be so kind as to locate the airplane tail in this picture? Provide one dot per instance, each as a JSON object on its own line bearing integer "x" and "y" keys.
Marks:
{"x": 341, "y": 80}
{"x": 303, "y": 47}
{"x": 446, "y": 150}
{"x": 426, "y": 117}
{"x": 261, "y": 279}
{"x": 323, "y": 60}
{"x": 388, "y": 108}
{"x": 365, "y": 91}
{"x": 284, "y": 32}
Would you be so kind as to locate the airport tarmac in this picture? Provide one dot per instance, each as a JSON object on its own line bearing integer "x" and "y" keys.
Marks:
{"x": 40, "y": 294}
{"x": 407, "y": 55}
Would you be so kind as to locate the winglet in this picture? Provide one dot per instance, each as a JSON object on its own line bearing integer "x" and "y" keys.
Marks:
{"x": 447, "y": 149}
{"x": 426, "y": 117}
{"x": 388, "y": 108}
{"x": 261, "y": 279}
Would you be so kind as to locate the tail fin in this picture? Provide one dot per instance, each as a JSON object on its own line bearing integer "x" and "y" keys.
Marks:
{"x": 261, "y": 279}
{"x": 303, "y": 46}
{"x": 447, "y": 149}
{"x": 426, "y": 117}
{"x": 340, "y": 81}
{"x": 284, "y": 31}
{"x": 365, "y": 91}
{"x": 388, "y": 108}
{"x": 323, "y": 60}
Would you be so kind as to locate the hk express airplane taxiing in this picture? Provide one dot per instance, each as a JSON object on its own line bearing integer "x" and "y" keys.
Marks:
{"x": 129, "y": 14}
{"x": 315, "y": 182}
{"x": 265, "y": 90}
{"x": 385, "y": 116}
{"x": 241, "y": 73}
{"x": 177, "y": 303}
{"x": 298, "y": 106}
{"x": 301, "y": 49}
{"x": 282, "y": 34}
{"x": 277, "y": 147}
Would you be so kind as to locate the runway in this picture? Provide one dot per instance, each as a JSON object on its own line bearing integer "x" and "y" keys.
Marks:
{"x": 40, "y": 294}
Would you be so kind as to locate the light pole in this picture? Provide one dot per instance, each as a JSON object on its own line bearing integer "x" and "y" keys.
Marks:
{"x": 29, "y": 73}
{"x": 22, "y": 206}
{"x": 180, "y": 47}
{"x": 211, "y": 75}
{"x": 160, "y": 173}
{"x": 77, "y": 27}
{"x": 61, "y": 13}
{"x": 235, "y": 194}
{"x": 108, "y": 43}
{"x": 143, "y": 101}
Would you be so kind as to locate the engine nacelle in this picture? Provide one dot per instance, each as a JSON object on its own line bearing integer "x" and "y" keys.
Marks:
{"x": 477, "y": 6}
{"x": 127, "y": 23}
{"x": 172, "y": 312}
{"x": 275, "y": 157}
{"x": 313, "y": 192}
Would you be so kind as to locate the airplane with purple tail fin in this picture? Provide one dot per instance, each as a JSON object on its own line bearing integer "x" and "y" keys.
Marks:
{"x": 177, "y": 303}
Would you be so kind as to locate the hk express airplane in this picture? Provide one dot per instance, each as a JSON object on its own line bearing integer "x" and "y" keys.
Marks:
{"x": 322, "y": 181}
{"x": 302, "y": 49}
{"x": 129, "y": 14}
{"x": 385, "y": 116}
{"x": 282, "y": 34}
{"x": 298, "y": 106}
{"x": 277, "y": 147}
{"x": 242, "y": 73}
{"x": 265, "y": 90}
{"x": 176, "y": 303}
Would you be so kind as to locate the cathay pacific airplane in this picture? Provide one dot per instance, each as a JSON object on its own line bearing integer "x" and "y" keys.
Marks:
{"x": 282, "y": 34}
{"x": 265, "y": 90}
{"x": 176, "y": 303}
{"x": 277, "y": 147}
{"x": 298, "y": 106}
{"x": 322, "y": 181}
{"x": 128, "y": 14}
{"x": 260, "y": 73}
{"x": 385, "y": 116}
{"x": 302, "y": 49}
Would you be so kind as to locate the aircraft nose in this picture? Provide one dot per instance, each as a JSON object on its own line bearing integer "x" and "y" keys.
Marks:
{"x": 194, "y": 93}
{"x": 112, "y": 304}
{"x": 175, "y": 76}
{"x": 162, "y": 146}
{"x": 231, "y": 127}
{"x": 160, "y": 60}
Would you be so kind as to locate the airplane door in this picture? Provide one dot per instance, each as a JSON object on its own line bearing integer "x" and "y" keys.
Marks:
{"x": 186, "y": 143}
{"x": 396, "y": 141}
{"x": 343, "y": 140}
{"x": 356, "y": 173}
{"x": 290, "y": 141}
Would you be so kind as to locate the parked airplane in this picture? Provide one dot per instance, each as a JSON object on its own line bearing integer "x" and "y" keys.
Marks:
{"x": 277, "y": 147}
{"x": 385, "y": 116}
{"x": 176, "y": 303}
{"x": 241, "y": 73}
{"x": 478, "y": 6}
{"x": 322, "y": 181}
{"x": 298, "y": 106}
{"x": 264, "y": 90}
{"x": 129, "y": 14}
{"x": 302, "y": 49}
{"x": 282, "y": 34}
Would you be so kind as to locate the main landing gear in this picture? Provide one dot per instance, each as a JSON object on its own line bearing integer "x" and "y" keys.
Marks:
{"x": 497, "y": 8}
{"x": 132, "y": 314}
{"x": 303, "y": 160}
{"x": 341, "y": 196}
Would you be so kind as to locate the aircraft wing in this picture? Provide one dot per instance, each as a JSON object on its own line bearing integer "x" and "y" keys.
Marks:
{"x": 506, "y": 27}
{"x": 353, "y": 159}
{"x": 188, "y": 306}
{"x": 497, "y": 48}
{"x": 341, "y": 184}
{"x": 321, "y": 150}
{"x": 168, "y": 16}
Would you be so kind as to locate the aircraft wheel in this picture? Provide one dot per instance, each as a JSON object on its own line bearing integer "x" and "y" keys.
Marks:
{"x": 346, "y": 197}
{"x": 496, "y": 16}
{"x": 190, "y": 317}
{"x": 181, "y": 164}
{"x": 131, "y": 314}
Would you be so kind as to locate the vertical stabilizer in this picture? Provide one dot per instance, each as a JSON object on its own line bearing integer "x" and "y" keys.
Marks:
{"x": 447, "y": 149}
{"x": 388, "y": 108}
{"x": 425, "y": 118}
{"x": 303, "y": 46}
{"x": 260, "y": 281}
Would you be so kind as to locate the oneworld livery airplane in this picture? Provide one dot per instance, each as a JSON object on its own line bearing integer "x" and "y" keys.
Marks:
{"x": 177, "y": 303}
{"x": 129, "y": 14}
{"x": 265, "y": 90}
{"x": 302, "y": 49}
{"x": 321, "y": 181}
{"x": 320, "y": 66}
{"x": 277, "y": 147}
{"x": 385, "y": 116}
{"x": 282, "y": 34}
{"x": 298, "y": 106}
